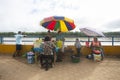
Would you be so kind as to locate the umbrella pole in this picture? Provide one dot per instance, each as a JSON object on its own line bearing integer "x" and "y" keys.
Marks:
{"x": 88, "y": 39}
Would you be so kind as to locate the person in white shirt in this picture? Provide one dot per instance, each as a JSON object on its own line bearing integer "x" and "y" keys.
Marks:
{"x": 18, "y": 37}
{"x": 78, "y": 46}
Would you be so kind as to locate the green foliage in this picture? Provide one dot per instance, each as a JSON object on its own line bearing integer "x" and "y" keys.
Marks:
{"x": 9, "y": 34}
{"x": 66, "y": 34}
{"x": 110, "y": 34}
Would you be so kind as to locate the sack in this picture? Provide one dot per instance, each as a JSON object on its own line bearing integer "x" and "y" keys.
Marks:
{"x": 97, "y": 57}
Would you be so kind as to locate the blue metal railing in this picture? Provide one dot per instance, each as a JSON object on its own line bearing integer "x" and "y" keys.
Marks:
{"x": 111, "y": 40}
{"x": 1, "y": 39}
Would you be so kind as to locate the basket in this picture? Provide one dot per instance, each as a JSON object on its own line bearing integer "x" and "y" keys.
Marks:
{"x": 75, "y": 59}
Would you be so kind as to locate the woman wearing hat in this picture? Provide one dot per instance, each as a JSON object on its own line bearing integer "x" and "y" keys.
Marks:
{"x": 48, "y": 47}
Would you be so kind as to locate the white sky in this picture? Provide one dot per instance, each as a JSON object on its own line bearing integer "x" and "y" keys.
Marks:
{"x": 25, "y": 15}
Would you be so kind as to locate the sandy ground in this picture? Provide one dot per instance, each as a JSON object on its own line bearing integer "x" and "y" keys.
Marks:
{"x": 19, "y": 69}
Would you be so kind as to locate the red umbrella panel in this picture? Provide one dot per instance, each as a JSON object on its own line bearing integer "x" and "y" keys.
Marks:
{"x": 56, "y": 23}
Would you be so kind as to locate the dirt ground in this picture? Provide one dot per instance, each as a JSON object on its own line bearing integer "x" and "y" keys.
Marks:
{"x": 19, "y": 69}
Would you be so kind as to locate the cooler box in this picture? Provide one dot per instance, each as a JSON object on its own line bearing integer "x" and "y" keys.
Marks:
{"x": 30, "y": 57}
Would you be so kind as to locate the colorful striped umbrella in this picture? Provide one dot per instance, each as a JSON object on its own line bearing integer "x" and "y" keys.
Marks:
{"x": 58, "y": 23}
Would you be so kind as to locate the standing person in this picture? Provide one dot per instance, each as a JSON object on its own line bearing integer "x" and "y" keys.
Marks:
{"x": 48, "y": 47}
{"x": 54, "y": 51}
{"x": 78, "y": 47}
{"x": 60, "y": 36}
{"x": 18, "y": 37}
{"x": 49, "y": 34}
{"x": 60, "y": 44}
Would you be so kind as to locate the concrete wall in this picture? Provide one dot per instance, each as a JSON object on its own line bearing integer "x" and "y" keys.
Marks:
{"x": 10, "y": 49}
{"x": 108, "y": 50}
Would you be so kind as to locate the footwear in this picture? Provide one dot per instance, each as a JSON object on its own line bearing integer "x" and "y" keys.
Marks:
{"x": 53, "y": 65}
{"x": 58, "y": 60}
{"x": 13, "y": 55}
{"x": 42, "y": 66}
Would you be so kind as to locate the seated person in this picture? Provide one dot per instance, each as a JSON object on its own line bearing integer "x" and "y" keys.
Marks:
{"x": 37, "y": 49}
{"x": 36, "y": 45}
{"x": 96, "y": 45}
{"x": 48, "y": 47}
